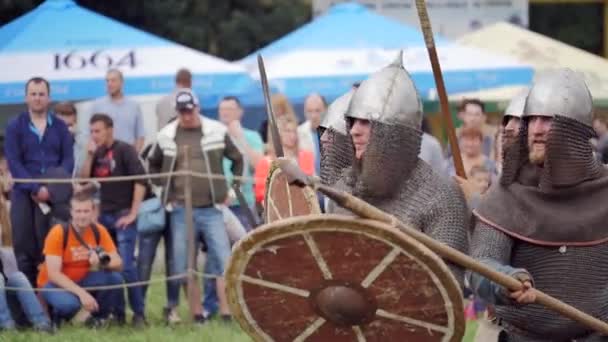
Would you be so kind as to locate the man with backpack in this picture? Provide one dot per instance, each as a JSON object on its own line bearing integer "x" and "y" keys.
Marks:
{"x": 78, "y": 255}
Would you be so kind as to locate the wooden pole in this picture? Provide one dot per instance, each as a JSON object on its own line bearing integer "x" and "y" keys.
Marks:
{"x": 427, "y": 31}
{"x": 366, "y": 210}
{"x": 193, "y": 289}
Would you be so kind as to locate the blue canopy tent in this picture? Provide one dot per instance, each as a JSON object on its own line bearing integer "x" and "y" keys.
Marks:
{"x": 349, "y": 42}
{"x": 73, "y": 48}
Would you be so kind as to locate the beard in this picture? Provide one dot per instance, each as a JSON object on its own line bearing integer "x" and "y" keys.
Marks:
{"x": 537, "y": 154}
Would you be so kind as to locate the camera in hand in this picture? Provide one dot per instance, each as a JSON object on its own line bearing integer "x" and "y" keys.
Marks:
{"x": 104, "y": 258}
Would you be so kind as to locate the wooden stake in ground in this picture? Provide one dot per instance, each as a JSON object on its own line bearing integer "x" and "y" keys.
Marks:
{"x": 366, "y": 210}
{"x": 193, "y": 289}
{"x": 427, "y": 31}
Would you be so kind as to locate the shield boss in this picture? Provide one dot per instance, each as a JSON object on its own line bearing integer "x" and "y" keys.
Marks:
{"x": 283, "y": 200}
{"x": 335, "y": 278}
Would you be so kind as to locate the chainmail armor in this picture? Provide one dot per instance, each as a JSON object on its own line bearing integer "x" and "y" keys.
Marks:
{"x": 336, "y": 158}
{"x": 569, "y": 155}
{"x": 428, "y": 202}
{"x": 578, "y": 277}
{"x": 391, "y": 155}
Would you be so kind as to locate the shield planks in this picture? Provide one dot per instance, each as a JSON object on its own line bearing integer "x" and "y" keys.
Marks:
{"x": 283, "y": 200}
{"x": 335, "y": 278}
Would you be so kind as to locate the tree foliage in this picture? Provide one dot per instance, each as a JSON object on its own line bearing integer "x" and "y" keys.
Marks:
{"x": 230, "y": 29}
{"x": 579, "y": 24}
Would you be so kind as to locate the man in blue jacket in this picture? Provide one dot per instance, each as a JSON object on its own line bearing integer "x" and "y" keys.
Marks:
{"x": 36, "y": 142}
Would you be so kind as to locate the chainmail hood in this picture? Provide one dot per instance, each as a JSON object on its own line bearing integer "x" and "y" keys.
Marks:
{"x": 570, "y": 181}
{"x": 338, "y": 156}
{"x": 390, "y": 101}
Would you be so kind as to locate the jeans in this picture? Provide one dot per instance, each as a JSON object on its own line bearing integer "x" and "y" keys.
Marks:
{"x": 210, "y": 301}
{"x": 125, "y": 240}
{"x": 29, "y": 228}
{"x": 148, "y": 243}
{"x": 208, "y": 225}
{"x": 26, "y": 301}
{"x": 65, "y": 305}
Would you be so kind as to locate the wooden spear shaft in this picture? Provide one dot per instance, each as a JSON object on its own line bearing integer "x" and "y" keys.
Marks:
{"x": 427, "y": 32}
{"x": 192, "y": 285}
{"x": 366, "y": 210}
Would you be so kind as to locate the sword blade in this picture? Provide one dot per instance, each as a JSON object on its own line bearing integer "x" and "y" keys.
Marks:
{"x": 243, "y": 203}
{"x": 272, "y": 123}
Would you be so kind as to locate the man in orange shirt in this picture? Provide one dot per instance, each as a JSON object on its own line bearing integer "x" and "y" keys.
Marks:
{"x": 85, "y": 257}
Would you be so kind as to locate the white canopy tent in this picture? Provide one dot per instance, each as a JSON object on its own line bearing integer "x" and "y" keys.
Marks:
{"x": 541, "y": 52}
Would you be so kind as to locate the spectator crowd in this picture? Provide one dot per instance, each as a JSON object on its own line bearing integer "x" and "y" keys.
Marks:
{"x": 79, "y": 237}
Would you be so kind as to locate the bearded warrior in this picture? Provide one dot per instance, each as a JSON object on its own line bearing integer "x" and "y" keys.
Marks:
{"x": 384, "y": 121}
{"x": 512, "y": 117}
{"x": 545, "y": 221}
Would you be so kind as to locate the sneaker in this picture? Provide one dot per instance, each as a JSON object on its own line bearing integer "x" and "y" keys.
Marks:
{"x": 118, "y": 320}
{"x": 139, "y": 321}
{"x": 199, "y": 319}
{"x": 44, "y": 328}
{"x": 95, "y": 323}
{"x": 171, "y": 316}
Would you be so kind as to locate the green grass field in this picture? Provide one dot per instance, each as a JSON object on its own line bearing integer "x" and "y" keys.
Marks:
{"x": 156, "y": 331}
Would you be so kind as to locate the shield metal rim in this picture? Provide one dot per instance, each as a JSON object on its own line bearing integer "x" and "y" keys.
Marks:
{"x": 246, "y": 247}
{"x": 309, "y": 195}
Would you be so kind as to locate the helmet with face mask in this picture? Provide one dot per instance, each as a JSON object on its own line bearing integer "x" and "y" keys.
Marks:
{"x": 336, "y": 157}
{"x": 563, "y": 96}
{"x": 388, "y": 99}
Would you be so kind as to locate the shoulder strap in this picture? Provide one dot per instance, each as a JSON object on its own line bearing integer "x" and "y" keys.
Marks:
{"x": 66, "y": 232}
{"x": 95, "y": 233}
{"x": 66, "y": 229}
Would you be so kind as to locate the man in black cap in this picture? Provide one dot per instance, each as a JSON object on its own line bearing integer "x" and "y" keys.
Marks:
{"x": 209, "y": 143}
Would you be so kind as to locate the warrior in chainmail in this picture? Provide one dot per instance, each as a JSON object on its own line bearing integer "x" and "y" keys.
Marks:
{"x": 336, "y": 146}
{"x": 545, "y": 221}
{"x": 512, "y": 117}
{"x": 509, "y": 134}
{"x": 384, "y": 121}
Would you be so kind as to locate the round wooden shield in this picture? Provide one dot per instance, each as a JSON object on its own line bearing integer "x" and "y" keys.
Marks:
{"x": 336, "y": 278}
{"x": 283, "y": 200}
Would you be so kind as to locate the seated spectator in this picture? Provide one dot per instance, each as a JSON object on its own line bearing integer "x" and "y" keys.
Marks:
{"x": 289, "y": 140}
{"x": 17, "y": 308}
{"x": 78, "y": 255}
{"x": 470, "y": 140}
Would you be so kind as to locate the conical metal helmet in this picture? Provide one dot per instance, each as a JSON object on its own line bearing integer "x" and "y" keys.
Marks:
{"x": 517, "y": 104}
{"x": 335, "y": 113}
{"x": 388, "y": 96}
{"x": 560, "y": 92}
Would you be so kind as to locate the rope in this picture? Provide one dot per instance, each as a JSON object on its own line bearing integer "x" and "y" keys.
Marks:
{"x": 127, "y": 178}
{"x": 120, "y": 286}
